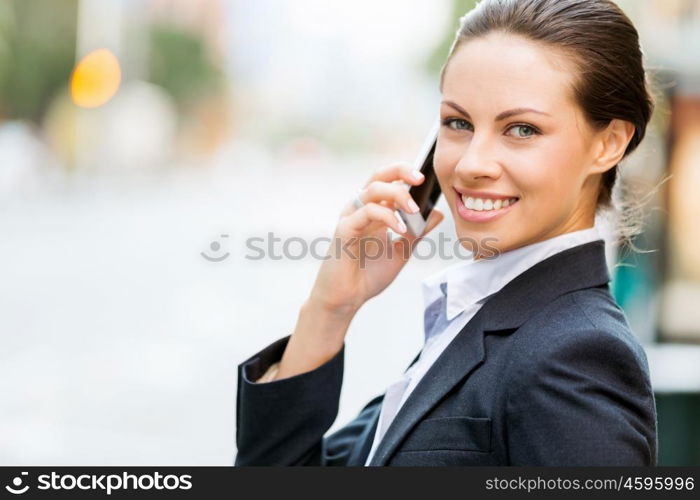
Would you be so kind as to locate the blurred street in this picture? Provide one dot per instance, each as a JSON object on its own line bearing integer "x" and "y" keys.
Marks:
{"x": 132, "y": 356}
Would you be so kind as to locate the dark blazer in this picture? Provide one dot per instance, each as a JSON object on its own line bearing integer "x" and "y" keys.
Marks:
{"x": 546, "y": 373}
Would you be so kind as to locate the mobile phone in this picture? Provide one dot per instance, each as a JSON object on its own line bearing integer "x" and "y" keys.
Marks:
{"x": 427, "y": 193}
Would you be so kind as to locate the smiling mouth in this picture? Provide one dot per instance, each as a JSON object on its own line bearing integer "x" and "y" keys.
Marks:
{"x": 487, "y": 204}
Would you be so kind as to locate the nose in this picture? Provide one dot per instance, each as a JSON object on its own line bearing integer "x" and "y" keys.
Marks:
{"x": 478, "y": 160}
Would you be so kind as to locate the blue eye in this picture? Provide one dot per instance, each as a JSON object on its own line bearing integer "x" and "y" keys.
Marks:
{"x": 458, "y": 123}
{"x": 525, "y": 131}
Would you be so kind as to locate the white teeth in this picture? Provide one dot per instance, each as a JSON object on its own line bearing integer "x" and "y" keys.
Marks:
{"x": 482, "y": 204}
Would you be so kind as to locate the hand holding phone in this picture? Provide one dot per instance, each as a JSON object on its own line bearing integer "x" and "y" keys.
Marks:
{"x": 428, "y": 192}
{"x": 350, "y": 277}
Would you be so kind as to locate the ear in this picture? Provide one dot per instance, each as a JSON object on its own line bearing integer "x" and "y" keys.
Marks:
{"x": 612, "y": 143}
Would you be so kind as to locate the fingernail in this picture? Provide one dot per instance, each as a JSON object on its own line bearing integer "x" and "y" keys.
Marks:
{"x": 412, "y": 206}
{"x": 417, "y": 175}
{"x": 402, "y": 226}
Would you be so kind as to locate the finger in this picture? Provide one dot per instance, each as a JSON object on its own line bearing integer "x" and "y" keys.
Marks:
{"x": 357, "y": 221}
{"x": 350, "y": 207}
{"x": 378, "y": 191}
{"x": 395, "y": 172}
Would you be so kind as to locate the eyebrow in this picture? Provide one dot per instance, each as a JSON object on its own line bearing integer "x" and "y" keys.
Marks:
{"x": 501, "y": 116}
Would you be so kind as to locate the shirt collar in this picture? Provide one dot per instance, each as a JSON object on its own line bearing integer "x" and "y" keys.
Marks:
{"x": 470, "y": 281}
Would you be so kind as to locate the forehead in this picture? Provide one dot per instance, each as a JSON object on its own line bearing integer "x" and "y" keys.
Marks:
{"x": 504, "y": 70}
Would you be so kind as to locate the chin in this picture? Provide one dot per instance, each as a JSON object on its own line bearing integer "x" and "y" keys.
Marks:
{"x": 490, "y": 242}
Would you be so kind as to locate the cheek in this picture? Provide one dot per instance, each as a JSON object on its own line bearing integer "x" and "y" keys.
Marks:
{"x": 548, "y": 173}
{"x": 444, "y": 162}
{"x": 446, "y": 156}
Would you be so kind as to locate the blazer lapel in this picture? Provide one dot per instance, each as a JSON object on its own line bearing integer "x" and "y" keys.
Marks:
{"x": 579, "y": 267}
{"x": 359, "y": 455}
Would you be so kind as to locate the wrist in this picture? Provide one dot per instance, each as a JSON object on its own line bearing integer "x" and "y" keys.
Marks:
{"x": 318, "y": 336}
{"x": 323, "y": 328}
{"x": 328, "y": 311}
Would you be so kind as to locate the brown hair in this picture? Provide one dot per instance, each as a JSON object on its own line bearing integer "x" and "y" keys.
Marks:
{"x": 603, "y": 45}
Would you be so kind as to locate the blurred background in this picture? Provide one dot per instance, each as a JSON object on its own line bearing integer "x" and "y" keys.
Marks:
{"x": 144, "y": 142}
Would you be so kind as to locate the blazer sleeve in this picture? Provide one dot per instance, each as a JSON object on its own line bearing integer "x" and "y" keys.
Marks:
{"x": 583, "y": 400}
{"x": 282, "y": 422}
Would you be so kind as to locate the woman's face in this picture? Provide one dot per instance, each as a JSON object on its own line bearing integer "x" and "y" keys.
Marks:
{"x": 493, "y": 153}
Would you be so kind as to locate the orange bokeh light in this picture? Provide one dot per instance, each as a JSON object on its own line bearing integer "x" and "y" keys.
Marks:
{"x": 95, "y": 79}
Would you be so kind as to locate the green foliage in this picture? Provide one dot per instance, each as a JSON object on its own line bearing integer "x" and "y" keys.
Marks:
{"x": 180, "y": 63}
{"x": 37, "y": 54}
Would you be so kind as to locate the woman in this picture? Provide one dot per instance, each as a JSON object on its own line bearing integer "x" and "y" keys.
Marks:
{"x": 528, "y": 360}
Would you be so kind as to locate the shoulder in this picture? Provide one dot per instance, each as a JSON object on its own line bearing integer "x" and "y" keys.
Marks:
{"x": 590, "y": 316}
{"x": 584, "y": 331}
{"x": 576, "y": 389}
